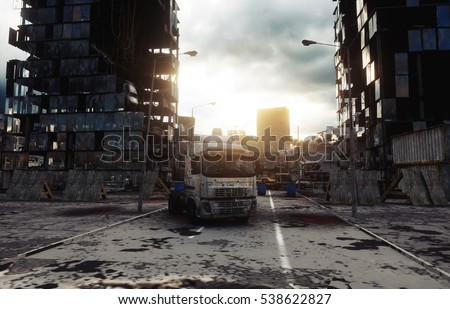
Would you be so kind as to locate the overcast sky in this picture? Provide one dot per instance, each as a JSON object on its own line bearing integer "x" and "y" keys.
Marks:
{"x": 250, "y": 56}
{"x": 10, "y": 18}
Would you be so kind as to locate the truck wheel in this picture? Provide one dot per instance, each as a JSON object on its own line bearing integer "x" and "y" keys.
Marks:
{"x": 192, "y": 215}
{"x": 171, "y": 206}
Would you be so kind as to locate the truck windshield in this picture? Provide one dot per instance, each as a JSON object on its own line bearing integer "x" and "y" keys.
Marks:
{"x": 227, "y": 167}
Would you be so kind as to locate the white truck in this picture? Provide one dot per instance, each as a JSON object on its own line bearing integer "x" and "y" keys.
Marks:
{"x": 219, "y": 182}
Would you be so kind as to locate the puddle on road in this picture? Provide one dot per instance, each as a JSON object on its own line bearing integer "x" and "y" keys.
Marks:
{"x": 134, "y": 250}
{"x": 158, "y": 243}
{"x": 362, "y": 244}
{"x": 294, "y": 207}
{"x": 305, "y": 220}
{"x": 47, "y": 286}
{"x": 87, "y": 211}
{"x": 186, "y": 231}
{"x": 222, "y": 243}
{"x": 406, "y": 228}
{"x": 175, "y": 283}
{"x": 439, "y": 253}
{"x": 81, "y": 267}
{"x": 9, "y": 213}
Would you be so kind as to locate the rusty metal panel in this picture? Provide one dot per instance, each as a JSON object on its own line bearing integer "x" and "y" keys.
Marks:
{"x": 83, "y": 186}
{"x": 444, "y": 174}
{"x": 26, "y": 186}
{"x": 5, "y": 179}
{"x": 427, "y": 146}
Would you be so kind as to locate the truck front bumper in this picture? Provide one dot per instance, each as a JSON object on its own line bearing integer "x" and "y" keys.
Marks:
{"x": 227, "y": 208}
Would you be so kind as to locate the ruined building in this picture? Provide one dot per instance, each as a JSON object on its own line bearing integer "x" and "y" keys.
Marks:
{"x": 99, "y": 73}
{"x": 399, "y": 53}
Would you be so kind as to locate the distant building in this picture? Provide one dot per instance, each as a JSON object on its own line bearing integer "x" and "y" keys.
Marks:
{"x": 237, "y": 132}
{"x": 276, "y": 118}
{"x": 274, "y": 122}
{"x": 399, "y": 56}
{"x": 217, "y": 131}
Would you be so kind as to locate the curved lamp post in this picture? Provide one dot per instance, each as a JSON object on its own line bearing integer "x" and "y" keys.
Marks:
{"x": 192, "y": 111}
{"x": 354, "y": 191}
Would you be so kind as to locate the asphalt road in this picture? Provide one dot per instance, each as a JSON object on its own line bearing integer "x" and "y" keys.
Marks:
{"x": 290, "y": 243}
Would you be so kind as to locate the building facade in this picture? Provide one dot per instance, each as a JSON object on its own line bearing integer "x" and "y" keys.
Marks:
{"x": 399, "y": 53}
{"x": 100, "y": 73}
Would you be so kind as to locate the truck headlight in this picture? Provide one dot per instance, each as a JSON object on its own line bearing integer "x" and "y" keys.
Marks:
{"x": 206, "y": 206}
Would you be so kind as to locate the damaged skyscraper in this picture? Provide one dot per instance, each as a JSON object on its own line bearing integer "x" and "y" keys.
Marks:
{"x": 100, "y": 76}
{"x": 399, "y": 51}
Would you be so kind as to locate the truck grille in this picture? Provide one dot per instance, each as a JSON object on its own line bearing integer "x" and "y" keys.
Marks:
{"x": 230, "y": 192}
{"x": 230, "y": 211}
{"x": 230, "y": 207}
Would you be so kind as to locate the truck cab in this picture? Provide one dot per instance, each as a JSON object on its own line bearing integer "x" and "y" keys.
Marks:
{"x": 218, "y": 183}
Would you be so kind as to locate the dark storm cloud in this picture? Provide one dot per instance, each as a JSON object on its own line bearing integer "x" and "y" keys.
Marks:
{"x": 250, "y": 55}
{"x": 264, "y": 39}
{"x": 248, "y": 49}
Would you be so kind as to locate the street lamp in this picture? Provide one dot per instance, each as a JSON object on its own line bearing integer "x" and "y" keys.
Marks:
{"x": 210, "y": 103}
{"x": 353, "y": 191}
{"x": 191, "y": 53}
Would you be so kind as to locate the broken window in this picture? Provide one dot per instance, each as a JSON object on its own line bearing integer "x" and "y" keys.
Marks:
{"x": 429, "y": 39}
{"x": 444, "y": 38}
{"x": 415, "y": 40}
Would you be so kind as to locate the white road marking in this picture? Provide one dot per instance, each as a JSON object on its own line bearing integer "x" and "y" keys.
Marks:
{"x": 284, "y": 260}
{"x": 197, "y": 231}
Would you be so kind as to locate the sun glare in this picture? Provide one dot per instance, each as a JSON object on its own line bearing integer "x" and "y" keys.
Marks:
{"x": 238, "y": 99}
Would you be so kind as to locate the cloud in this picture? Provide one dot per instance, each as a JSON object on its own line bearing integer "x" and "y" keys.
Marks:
{"x": 255, "y": 47}
{"x": 250, "y": 57}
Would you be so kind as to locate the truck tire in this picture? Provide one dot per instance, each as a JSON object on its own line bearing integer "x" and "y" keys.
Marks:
{"x": 171, "y": 205}
{"x": 193, "y": 219}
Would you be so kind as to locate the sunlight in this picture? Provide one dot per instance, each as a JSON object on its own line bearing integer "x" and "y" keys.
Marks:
{"x": 240, "y": 93}
{"x": 236, "y": 107}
